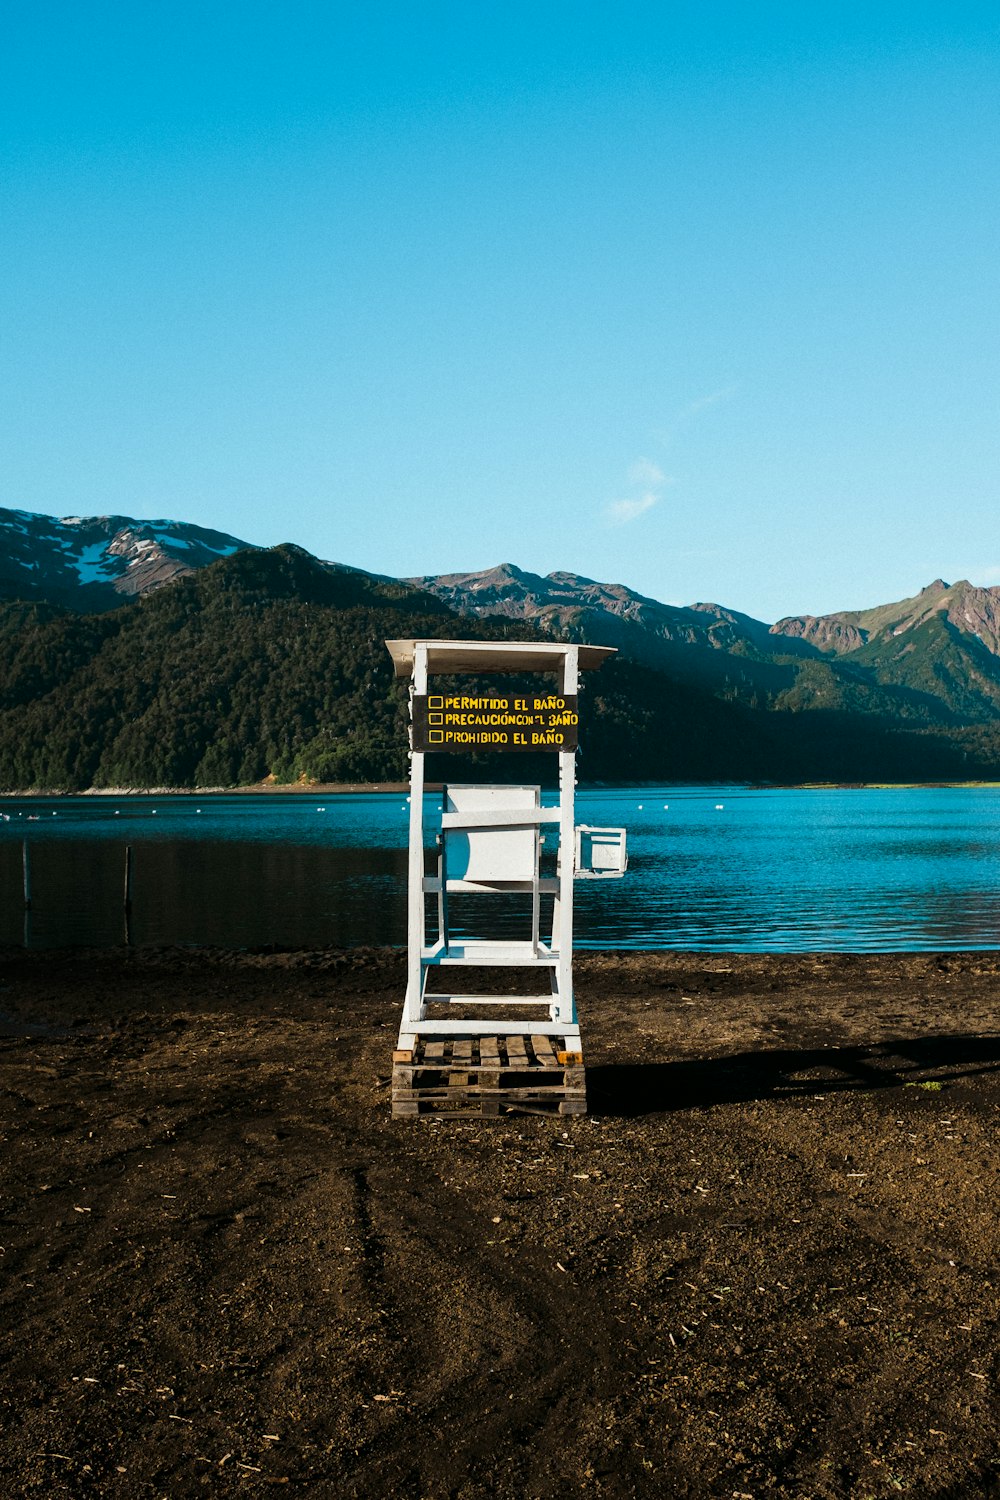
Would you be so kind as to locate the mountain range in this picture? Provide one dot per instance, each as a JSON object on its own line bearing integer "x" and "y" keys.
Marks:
{"x": 907, "y": 690}
{"x": 932, "y": 658}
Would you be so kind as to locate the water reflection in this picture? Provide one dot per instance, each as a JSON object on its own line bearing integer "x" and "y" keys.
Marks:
{"x": 710, "y": 868}
{"x": 225, "y": 894}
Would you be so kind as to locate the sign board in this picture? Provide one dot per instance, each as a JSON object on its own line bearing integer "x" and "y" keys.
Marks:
{"x": 523, "y": 721}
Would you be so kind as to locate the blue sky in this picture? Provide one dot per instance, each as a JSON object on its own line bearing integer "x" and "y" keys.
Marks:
{"x": 701, "y": 299}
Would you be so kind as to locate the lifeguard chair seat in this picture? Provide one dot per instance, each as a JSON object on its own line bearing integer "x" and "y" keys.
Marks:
{"x": 483, "y": 849}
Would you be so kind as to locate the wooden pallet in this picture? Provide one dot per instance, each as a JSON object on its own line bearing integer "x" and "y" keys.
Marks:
{"x": 486, "y": 1075}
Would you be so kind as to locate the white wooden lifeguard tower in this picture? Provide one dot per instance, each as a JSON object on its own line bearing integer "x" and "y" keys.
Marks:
{"x": 451, "y": 1057}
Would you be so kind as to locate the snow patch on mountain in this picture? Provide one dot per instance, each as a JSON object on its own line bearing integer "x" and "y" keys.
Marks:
{"x": 92, "y": 563}
{"x": 108, "y": 557}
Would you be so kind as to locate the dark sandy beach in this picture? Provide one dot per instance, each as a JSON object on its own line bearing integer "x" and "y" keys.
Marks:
{"x": 765, "y": 1264}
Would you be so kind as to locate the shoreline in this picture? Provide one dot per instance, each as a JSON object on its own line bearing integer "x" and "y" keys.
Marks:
{"x": 394, "y": 788}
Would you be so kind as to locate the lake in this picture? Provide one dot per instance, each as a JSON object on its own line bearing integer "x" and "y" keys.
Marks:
{"x": 715, "y": 868}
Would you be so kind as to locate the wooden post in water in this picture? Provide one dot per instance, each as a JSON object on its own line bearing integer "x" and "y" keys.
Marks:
{"x": 128, "y": 896}
{"x": 26, "y": 869}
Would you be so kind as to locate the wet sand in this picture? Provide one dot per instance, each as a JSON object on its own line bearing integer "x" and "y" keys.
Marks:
{"x": 765, "y": 1264}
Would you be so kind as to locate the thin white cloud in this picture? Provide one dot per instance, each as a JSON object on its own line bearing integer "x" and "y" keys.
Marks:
{"x": 687, "y": 414}
{"x": 650, "y": 480}
{"x": 644, "y": 471}
{"x": 620, "y": 512}
{"x": 713, "y": 399}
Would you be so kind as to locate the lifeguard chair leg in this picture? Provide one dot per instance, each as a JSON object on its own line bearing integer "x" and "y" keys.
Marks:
{"x": 564, "y": 1007}
{"x": 413, "y": 1005}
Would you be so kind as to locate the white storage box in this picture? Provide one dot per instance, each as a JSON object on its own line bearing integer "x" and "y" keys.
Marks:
{"x": 600, "y": 853}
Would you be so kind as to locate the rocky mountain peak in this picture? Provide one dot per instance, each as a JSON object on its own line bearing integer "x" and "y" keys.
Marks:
{"x": 97, "y": 561}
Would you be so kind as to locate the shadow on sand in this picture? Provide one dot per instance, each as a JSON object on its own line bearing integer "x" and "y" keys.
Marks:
{"x": 631, "y": 1089}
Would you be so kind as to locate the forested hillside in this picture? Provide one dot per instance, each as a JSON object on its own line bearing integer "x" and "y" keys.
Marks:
{"x": 269, "y": 664}
{"x": 264, "y": 663}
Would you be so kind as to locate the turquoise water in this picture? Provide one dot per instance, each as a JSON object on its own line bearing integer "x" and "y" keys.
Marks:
{"x": 712, "y": 868}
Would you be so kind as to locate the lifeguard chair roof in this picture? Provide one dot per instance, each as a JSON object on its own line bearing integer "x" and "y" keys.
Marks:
{"x": 494, "y": 656}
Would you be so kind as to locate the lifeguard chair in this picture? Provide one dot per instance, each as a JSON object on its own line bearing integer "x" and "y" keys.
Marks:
{"x": 490, "y": 842}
